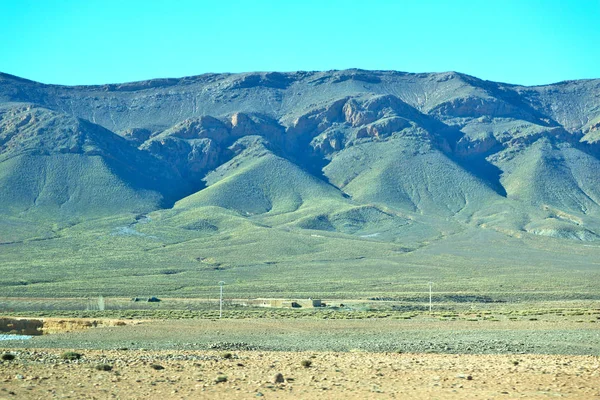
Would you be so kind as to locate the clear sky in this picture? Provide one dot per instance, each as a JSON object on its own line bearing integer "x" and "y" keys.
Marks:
{"x": 106, "y": 41}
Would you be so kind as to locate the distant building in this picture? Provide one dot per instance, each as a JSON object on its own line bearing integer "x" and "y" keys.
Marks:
{"x": 285, "y": 303}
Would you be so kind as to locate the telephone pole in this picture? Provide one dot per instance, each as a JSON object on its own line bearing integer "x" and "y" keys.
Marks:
{"x": 221, "y": 299}
{"x": 430, "y": 286}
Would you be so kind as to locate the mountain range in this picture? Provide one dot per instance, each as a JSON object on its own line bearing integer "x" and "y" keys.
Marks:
{"x": 226, "y": 172}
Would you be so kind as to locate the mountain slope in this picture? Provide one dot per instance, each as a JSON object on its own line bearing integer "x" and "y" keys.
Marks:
{"x": 409, "y": 176}
{"x": 444, "y": 145}
{"x": 352, "y": 181}
{"x": 256, "y": 181}
{"x": 60, "y": 166}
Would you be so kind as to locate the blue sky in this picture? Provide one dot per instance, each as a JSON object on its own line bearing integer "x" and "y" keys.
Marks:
{"x": 93, "y": 42}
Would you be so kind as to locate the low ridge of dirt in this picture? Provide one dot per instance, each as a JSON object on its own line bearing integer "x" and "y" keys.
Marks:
{"x": 140, "y": 374}
{"x": 42, "y": 326}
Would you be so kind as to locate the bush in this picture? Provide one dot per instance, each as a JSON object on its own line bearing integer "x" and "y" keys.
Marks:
{"x": 157, "y": 367}
{"x": 70, "y": 355}
{"x": 103, "y": 367}
{"x": 7, "y": 357}
{"x": 306, "y": 363}
{"x": 227, "y": 356}
{"x": 221, "y": 379}
{"x": 153, "y": 299}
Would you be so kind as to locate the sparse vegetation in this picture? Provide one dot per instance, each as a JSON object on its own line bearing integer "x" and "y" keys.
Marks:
{"x": 70, "y": 355}
{"x": 361, "y": 190}
{"x": 413, "y": 204}
{"x": 103, "y": 367}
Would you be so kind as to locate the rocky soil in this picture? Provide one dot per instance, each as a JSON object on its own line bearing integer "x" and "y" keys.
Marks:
{"x": 139, "y": 374}
{"x": 547, "y": 335}
{"x": 304, "y": 358}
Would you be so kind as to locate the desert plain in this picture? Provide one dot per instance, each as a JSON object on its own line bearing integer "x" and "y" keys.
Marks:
{"x": 498, "y": 355}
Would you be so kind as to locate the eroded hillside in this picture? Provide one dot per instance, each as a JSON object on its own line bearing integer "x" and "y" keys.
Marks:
{"x": 402, "y": 160}
{"x": 446, "y": 145}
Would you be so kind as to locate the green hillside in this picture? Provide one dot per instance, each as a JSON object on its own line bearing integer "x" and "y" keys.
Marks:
{"x": 331, "y": 184}
{"x": 60, "y": 168}
{"x": 256, "y": 181}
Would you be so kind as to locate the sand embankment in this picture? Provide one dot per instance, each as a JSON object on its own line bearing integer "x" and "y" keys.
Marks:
{"x": 42, "y": 326}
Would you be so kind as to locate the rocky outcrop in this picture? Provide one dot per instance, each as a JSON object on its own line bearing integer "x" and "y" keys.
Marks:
{"x": 475, "y": 107}
{"x": 383, "y": 127}
{"x": 197, "y": 145}
{"x": 330, "y": 141}
{"x": 190, "y": 157}
{"x": 196, "y": 128}
{"x": 136, "y": 135}
{"x": 274, "y": 80}
{"x": 467, "y": 146}
{"x": 243, "y": 124}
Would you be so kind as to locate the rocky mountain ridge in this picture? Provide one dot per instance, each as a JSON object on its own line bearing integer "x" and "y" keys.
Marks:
{"x": 399, "y": 155}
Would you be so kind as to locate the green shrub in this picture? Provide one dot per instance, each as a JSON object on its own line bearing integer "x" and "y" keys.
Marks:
{"x": 157, "y": 367}
{"x": 221, "y": 379}
{"x": 7, "y": 357}
{"x": 70, "y": 355}
{"x": 103, "y": 367}
{"x": 306, "y": 363}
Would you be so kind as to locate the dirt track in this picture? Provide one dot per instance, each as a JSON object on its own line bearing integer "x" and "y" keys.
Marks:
{"x": 251, "y": 374}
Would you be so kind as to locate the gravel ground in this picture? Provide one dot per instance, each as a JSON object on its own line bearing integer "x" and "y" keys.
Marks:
{"x": 136, "y": 374}
{"x": 421, "y": 358}
{"x": 380, "y": 335}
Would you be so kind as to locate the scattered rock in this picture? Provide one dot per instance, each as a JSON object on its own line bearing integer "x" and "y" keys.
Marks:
{"x": 278, "y": 378}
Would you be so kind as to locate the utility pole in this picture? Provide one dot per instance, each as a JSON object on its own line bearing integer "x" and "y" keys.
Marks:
{"x": 430, "y": 286}
{"x": 221, "y": 299}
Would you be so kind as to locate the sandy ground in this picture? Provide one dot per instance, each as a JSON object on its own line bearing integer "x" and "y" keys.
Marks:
{"x": 42, "y": 374}
{"x": 545, "y": 357}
